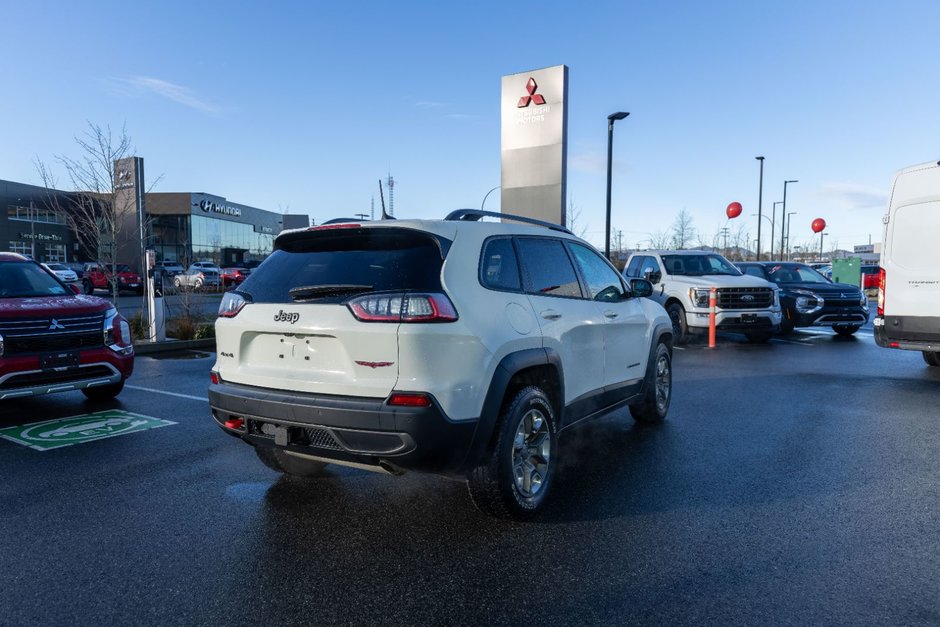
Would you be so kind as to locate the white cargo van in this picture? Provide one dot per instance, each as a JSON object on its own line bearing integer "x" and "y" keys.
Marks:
{"x": 909, "y": 290}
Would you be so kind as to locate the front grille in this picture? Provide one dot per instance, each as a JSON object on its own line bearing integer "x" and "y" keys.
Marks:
{"x": 842, "y": 302}
{"x": 35, "y": 335}
{"x": 52, "y": 342}
{"x": 745, "y": 297}
{"x": 34, "y": 379}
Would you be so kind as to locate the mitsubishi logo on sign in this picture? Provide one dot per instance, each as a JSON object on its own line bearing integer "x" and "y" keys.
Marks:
{"x": 533, "y": 97}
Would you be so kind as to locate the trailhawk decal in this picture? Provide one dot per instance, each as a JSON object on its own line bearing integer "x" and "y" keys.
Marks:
{"x": 42, "y": 436}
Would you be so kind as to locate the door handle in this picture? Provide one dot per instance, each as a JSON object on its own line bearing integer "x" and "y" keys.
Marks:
{"x": 611, "y": 314}
{"x": 550, "y": 314}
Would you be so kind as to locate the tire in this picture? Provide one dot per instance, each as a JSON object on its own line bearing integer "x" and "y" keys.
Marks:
{"x": 278, "y": 460}
{"x": 103, "y": 392}
{"x": 680, "y": 329}
{"x": 514, "y": 482}
{"x": 759, "y": 337}
{"x": 932, "y": 359}
{"x": 658, "y": 395}
{"x": 846, "y": 331}
{"x": 177, "y": 284}
{"x": 197, "y": 285}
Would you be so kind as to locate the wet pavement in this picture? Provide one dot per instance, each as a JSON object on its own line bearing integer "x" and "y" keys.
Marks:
{"x": 792, "y": 483}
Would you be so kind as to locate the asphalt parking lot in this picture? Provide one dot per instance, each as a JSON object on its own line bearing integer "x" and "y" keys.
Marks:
{"x": 793, "y": 483}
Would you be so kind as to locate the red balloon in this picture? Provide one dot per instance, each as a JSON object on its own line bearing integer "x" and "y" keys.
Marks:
{"x": 818, "y": 225}
{"x": 734, "y": 210}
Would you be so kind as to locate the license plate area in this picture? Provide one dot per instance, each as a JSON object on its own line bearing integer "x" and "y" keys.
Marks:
{"x": 748, "y": 318}
{"x": 61, "y": 360}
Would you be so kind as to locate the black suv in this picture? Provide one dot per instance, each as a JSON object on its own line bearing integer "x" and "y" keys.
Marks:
{"x": 809, "y": 299}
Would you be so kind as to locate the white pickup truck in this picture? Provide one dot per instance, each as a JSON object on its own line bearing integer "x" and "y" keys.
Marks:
{"x": 909, "y": 285}
{"x": 682, "y": 280}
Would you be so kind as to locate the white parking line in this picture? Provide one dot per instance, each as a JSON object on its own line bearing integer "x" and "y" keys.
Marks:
{"x": 142, "y": 389}
{"x": 777, "y": 339}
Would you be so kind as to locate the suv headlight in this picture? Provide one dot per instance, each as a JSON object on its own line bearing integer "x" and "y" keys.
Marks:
{"x": 863, "y": 299}
{"x": 808, "y": 302}
{"x": 1, "y": 346}
{"x": 699, "y": 296}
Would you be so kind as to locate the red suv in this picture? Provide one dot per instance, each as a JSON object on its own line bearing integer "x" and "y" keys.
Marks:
{"x": 54, "y": 340}
{"x": 98, "y": 277}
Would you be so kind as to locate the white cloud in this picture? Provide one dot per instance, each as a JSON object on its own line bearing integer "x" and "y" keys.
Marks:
{"x": 429, "y": 104}
{"x": 853, "y": 196}
{"x": 138, "y": 85}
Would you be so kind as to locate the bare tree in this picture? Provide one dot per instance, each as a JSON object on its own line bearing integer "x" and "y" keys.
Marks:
{"x": 683, "y": 233}
{"x": 573, "y": 219}
{"x": 660, "y": 240}
{"x": 98, "y": 208}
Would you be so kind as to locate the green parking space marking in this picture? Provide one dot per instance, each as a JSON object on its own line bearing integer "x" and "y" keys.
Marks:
{"x": 50, "y": 434}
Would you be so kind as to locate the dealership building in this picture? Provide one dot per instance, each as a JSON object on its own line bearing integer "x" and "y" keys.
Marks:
{"x": 181, "y": 226}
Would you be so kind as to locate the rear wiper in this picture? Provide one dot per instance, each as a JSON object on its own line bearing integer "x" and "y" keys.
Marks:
{"x": 317, "y": 291}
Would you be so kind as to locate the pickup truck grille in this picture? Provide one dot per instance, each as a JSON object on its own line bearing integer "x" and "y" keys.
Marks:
{"x": 26, "y": 336}
{"x": 745, "y": 297}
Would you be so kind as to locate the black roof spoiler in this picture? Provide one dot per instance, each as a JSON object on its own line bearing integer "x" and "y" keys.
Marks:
{"x": 474, "y": 215}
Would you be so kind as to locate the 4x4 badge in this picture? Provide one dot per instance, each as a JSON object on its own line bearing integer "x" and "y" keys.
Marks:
{"x": 283, "y": 316}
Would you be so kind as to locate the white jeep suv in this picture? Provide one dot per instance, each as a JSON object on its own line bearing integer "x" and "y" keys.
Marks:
{"x": 453, "y": 346}
{"x": 682, "y": 280}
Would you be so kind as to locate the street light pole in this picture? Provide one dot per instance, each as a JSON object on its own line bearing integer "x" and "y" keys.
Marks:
{"x": 788, "y": 233}
{"x": 772, "y": 222}
{"x": 822, "y": 236}
{"x": 760, "y": 201}
{"x": 783, "y": 213}
{"x": 613, "y": 117}
{"x": 487, "y": 195}
{"x": 32, "y": 230}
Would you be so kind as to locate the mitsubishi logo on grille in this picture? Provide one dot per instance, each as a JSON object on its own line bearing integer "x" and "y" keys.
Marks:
{"x": 531, "y": 86}
{"x": 747, "y": 298}
{"x": 56, "y": 325}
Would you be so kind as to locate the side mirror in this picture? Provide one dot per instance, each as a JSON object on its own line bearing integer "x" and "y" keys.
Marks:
{"x": 653, "y": 276}
{"x": 641, "y": 287}
{"x": 75, "y": 288}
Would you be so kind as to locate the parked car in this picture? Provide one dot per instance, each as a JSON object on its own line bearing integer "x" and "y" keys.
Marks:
{"x": 77, "y": 267}
{"x": 233, "y": 276}
{"x": 909, "y": 282}
{"x": 98, "y": 277}
{"x": 206, "y": 264}
{"x": 809, "y": 299}
{"x": 169, "y": 268}
{"x": 682, "y": 280}
{"x": 65, "y": 274}
{"x": 450, "y": 346}
{"x": 197, "y": 277}
{"x": 54, "y": 339}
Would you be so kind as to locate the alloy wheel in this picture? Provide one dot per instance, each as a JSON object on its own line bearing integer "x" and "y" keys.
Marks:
{"x": 531, "y": 452}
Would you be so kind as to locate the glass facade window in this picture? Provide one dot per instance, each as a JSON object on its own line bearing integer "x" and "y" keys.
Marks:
{"x": 22, "y": 248}
{"x": 46, "y": 216}
{"x": 55, "y": 253}
{"x": 186, "y": 239}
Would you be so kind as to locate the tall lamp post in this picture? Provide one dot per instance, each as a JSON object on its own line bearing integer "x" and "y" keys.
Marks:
{"x": 613, "y": 117}
{"x": 788, "y": 233}
{"x": 784, "y": 212}
{"x": 487, "y": 195}
{"x": 760, "y": 202}
{"x": 772, "y": 222}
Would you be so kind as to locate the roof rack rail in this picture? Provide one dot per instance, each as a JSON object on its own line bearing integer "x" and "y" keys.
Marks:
{"x": 474, "y": 215}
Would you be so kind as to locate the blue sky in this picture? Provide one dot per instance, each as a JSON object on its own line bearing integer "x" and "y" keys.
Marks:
{"x": 304, "y": 106}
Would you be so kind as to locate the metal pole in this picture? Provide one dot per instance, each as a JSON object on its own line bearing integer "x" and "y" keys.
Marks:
{"x": 821, "y": 237}
{"x": 760, "y": 203}
{"x": 789, "y": 219}
{"x": 32, "y": 230}
{"x": 610, "y": 155}
{"x": 783, "y": 214}
{"x": 487, "y": 195}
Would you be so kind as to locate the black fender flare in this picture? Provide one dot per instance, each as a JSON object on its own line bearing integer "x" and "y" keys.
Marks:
{"x": 662, "y": 334}
{"x": 507, "y": 368}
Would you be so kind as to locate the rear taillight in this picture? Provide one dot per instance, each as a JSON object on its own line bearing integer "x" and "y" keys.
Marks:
{"x": 409, "y": 399}
{"x": 403, "y": 307}
{"x": 215, "y": 378}
{"x": 231, "y": 304}
{"x": 881, "y": 292}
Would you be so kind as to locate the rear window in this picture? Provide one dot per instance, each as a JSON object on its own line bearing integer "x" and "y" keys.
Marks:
{"x": 383, "y": 259}
{"x": 548, "y": 268}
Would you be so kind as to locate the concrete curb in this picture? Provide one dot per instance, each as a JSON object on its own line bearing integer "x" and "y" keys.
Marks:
{"x": 150, "y": 348}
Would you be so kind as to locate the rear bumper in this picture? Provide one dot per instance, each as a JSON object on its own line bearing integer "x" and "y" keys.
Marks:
{"x": 356, "y": 430}
{"x": 916, "y": 333}
{"x": 22, "y": 376}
